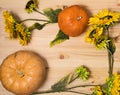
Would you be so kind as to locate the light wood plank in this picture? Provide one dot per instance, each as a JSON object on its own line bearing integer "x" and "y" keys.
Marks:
{"x": 74, "y": 52}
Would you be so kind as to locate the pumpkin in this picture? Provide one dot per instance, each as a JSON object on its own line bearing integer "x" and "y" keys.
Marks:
{"x": 73, "y": 20}
{"x": 22, "y": 72}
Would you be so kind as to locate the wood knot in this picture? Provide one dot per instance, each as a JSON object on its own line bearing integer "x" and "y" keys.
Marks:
{"x": 61, "y": 56}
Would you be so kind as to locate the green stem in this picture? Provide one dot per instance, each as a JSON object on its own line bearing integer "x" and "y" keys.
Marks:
{"x": 110, "y": 57}
{"x": 66, "y": 90}
{"x": 35, "y": 20}
{"x": 111, "y": 63}
{"x": 43, "y": 92}
{"x": 77, "y": 92}
{"x": 52, "y": 91}
{"x": 39, "y": 12}
{"x": 73, "y": 79}
{"x": 81, "y": 86}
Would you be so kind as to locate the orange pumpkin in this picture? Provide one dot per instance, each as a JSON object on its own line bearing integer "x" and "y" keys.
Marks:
{"x": 73, "y": 20}
{"x": 22, "y": 72}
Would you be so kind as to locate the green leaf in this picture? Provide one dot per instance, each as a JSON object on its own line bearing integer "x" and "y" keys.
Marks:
{"x": 57, "y": 11}
{"x": 39, "y": 26}
{"x": 60, "y": 37}
{"x": 61, "y": 85}
{"x": 51, "y": 14}
{"x": 112, "y": 46}
{"x": 36, "y": 26}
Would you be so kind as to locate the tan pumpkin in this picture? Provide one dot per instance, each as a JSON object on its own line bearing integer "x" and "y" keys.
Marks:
{"x": 22, "y": 72}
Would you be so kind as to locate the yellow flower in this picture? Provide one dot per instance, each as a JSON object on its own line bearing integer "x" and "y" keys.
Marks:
{"x": 82, "y": 72}
{"x": 98, "y": 31}
{"x": 102, "y": 42}
{"x": 23, "y": 34}
{"x": 31, "y": 6}
{"x": 105, "y": 17}
{"x": 116, "y": 85}
{"x": 15, "y": 29}
{"x": 94, "y": 20}
{"x": 113, "y": 85}
{"x": 93, "y": 33}
{"x": 98, "y": 90}
{"x": 9, "y": 24}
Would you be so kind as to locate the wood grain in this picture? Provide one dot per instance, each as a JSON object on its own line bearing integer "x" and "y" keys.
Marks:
{"x": 62, "y": 58}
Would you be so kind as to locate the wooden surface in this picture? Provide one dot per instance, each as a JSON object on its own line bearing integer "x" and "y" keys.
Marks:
{"x": 62, "y": 58}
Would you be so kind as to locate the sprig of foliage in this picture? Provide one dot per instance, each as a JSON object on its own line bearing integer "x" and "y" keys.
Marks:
{"x": 98, "y": 34}
{"x": 62, "y": 85}
{"x": 80, "y": 72}
{"x": 24, "y": 36}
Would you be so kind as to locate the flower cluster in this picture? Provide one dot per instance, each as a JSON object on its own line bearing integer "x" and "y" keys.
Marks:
{"x": 111, "y": 87}
{"x": 98, "y": 32}
{"x": 82, "y": 72}
{"x": 16, "y": 29}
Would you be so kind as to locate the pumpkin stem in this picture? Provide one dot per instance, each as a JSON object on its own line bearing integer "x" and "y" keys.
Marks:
{"x": 79, "y": 18}
{"x": 20, "y": 73}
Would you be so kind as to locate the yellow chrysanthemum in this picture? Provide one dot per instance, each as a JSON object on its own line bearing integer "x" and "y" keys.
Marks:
{"x": 9, "y": 24}
{"x": 15, "y": 29}
{"x": 98, "y": 31}
{"x": 93, "y": 33}
{"x": 98, "y": 90}
{"x": 102, "y": 42}
{"x": 104, "y": 17}
{"x": 93, "y": 20}
{"x": 102, "y": 13}
{"x": 31, "y": 6}
{"x": 23, "y": 34}
{"x": 111, "y": 87}
{"x": 116, "y": 85}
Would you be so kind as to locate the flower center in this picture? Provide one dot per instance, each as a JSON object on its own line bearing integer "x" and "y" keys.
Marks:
{"x": 107, "y": 16}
